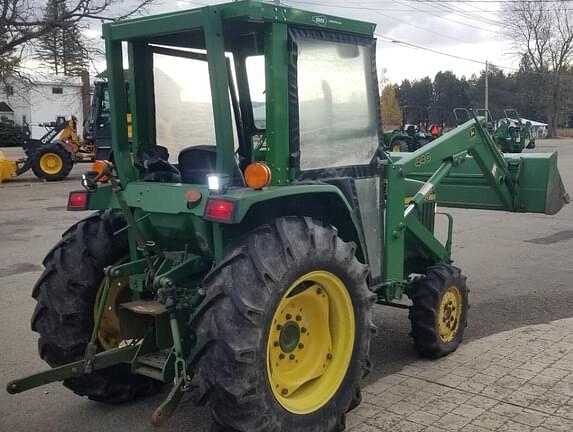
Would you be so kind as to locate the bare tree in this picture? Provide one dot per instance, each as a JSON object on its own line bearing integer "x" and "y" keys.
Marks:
{"x": 23, "y": 22}
{"x": 542, "y": 35}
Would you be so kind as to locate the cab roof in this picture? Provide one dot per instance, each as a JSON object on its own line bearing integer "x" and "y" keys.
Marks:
{"x": 248, "y": 11}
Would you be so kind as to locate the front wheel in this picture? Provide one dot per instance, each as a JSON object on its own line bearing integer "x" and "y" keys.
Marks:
{"x": 439, "y": 310}
{"x": 282, "y": 342}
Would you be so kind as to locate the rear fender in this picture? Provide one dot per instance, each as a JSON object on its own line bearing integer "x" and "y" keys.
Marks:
{"x": 328, "y": 206}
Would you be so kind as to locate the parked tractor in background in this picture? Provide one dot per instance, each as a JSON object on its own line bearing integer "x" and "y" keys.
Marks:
{"x": 512, "y": 134}
{"x": 413, "y": 133}
{"x": 242, "y": 264}
{"x": 436, "y": 123}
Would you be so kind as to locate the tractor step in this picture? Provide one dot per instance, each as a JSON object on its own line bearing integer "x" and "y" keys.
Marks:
{"x": 152, "y": 365}
{"x": 149, "y": 372}
{"x": 156, "y": 359}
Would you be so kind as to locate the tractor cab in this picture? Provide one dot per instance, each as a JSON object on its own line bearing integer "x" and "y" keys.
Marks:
{"x": 241, "y": 104}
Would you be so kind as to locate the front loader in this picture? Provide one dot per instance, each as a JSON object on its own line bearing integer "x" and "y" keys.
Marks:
{"x": 241, "y": 264}
{"x": 52, "y": 156}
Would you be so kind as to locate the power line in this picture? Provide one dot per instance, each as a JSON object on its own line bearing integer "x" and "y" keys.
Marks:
{"x": 415, "y": 46}
{"x": 443, "y": 35}
{"x": 498, "y": 66}
{"x": 378, "y": 9}
{"x": 451, "y": 20}
{"x": 411, "y": 45}
{"x": 468, "y": 14}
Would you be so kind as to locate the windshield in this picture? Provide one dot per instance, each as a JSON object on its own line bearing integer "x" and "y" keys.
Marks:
{"x": 336, "y": 111}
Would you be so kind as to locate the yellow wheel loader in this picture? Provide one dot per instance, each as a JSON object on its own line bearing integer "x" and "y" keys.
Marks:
{"x": 52, "y": 156}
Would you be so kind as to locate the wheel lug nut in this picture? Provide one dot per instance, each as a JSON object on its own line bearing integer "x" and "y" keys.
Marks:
{"x": 300, "y": 346}
{"x": 275, "y": 344}
{"x": 303, "y": 330}
{"x": 279, "y": 326}
{"x": 284, "y": 391}
{"x": 329, "y": 356}
{"x": 288, "y": 316}
{"x": 298, "y": 317}
{"x": 281, "y": 356}
{"x": 291, "y": 357}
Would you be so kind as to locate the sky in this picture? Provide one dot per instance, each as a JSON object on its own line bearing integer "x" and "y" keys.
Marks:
{"x": 471, "y": 29}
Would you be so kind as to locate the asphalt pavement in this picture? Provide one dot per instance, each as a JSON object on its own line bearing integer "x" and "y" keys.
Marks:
{"x": 519, "y": 268}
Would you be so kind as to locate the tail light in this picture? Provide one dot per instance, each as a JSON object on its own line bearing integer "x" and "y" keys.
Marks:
{"x": 219, "y": 210}
{"x": 78, "y": 200}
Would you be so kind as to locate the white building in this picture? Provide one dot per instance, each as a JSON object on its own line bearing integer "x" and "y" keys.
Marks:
{"x": 42, "y": 100}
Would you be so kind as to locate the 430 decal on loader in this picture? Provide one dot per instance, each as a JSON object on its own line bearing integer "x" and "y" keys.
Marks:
{"x": 241, "y": 264}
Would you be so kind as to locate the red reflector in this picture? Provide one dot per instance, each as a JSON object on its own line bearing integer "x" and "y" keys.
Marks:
{"x": 220, "y": 210}
{"x": 78, "y": 200}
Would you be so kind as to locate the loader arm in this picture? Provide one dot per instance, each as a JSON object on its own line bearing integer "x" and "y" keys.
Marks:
{"x": 464, "y": 169}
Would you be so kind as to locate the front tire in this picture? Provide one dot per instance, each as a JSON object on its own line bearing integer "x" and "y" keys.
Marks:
{"x": 263, "y": 331}
{"x": 439, "y": 311}
{"x": 66, "y": 294}
{"x": 52, "y": 162}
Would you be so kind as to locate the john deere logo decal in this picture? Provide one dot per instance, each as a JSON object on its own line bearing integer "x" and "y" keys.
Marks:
{"x": 319, "y": 20}
{"x": 472, "y": 132}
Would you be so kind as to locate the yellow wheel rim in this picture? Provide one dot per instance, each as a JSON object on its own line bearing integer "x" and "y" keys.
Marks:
{"x": 109, "y": 334}
{"x": 449, "y": 314}
{"x": 396, "y": 148}
{"x": 310, "y": 342}
{"x": 51, "y": 163}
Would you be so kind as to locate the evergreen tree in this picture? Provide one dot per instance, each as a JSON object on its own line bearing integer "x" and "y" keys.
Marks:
{"x": 75, "y": 56}
{"x": 62, "y": 49}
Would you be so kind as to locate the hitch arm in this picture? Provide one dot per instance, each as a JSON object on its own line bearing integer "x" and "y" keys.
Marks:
{"x": 72, "y": 370}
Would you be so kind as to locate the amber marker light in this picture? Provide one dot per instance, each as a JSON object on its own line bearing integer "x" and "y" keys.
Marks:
{"x": 100, "y": 166}
{"x": 257, "y": 175}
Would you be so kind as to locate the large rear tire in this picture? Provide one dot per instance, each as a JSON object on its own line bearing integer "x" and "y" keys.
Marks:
{"x": 272, "y": 305}
{"x": 439, "y": 311}
{"x": 66, "y": 293}
{"x": 52, "y": 162}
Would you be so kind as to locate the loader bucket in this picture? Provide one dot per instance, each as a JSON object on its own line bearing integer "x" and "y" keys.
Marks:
{"x": 540, "y": 185}
{"x": 7, "y": 168}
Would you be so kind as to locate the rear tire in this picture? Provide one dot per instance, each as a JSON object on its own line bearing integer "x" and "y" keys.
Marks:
{"x": 52, "y": 162}
{"x": 64, "y": 314}
{"x": 439, "y": 311}
{"x": 245, "y": 297}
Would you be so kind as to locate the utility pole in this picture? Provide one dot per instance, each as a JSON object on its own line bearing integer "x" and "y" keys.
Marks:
{"x": 486, "y": 89}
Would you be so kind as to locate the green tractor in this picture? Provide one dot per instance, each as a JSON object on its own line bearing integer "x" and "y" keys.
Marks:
{"x": 241, "y": 264}
{"x": 415, "y": 131}
{"x": 512, "y": 134}
{"x": 413, "y": 134}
